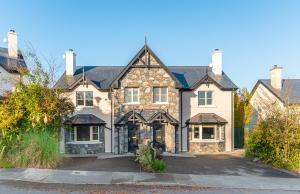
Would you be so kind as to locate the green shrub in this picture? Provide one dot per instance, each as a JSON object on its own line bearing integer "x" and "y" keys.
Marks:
{"x": 39, "y": 150}
{"x": 159, "y": 166}
{"x": 276, "y": 139}
{"x": 5, "y": 164}
{"x": 144, "y": 157}
{"x": 148, "y": 162}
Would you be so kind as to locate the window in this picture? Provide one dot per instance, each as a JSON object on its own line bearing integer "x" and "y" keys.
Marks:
{"x": 84, "y": 98}
{"x": 131, "y": 95}
{"x": 208, "y": 133}
{"x": 72, "y": 134}
{"x": 95, "y": 133}
{"x": 205, "y": 98}
{"x": 160, "y": 95}
{"x": 85, "y": 134}
{"x": 196, "y": 132}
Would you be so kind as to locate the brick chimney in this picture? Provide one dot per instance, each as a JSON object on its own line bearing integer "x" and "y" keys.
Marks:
{"x": 216, "y": 62}
{"x": 12, "y": 40}
{"x": 276, "y": 77}
{"x": 70, "y": 62}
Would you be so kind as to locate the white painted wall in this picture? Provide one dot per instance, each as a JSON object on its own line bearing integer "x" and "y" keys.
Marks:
{"x": 7, "y": 81}
{"x": 222, "y": 106}
{"x": 262, "y": 98}
{"x": 101, "y": 109}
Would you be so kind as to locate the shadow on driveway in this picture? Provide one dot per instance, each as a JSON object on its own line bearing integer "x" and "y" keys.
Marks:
{"x": 202, "y": 165}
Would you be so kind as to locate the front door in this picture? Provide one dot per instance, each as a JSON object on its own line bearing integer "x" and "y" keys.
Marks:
{"x": 159, "y": 136}
{"x": 133, "y": 137}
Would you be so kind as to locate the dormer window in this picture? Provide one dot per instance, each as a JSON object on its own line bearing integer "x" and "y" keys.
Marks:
{"x": 84, "y": 98}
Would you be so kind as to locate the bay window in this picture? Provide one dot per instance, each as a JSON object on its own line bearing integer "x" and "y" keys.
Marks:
{"x": 85, "y": 134}
{"x": 207, "y": 132}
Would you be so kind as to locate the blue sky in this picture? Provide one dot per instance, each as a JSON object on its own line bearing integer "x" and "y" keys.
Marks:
{"x": 254, "y": 35}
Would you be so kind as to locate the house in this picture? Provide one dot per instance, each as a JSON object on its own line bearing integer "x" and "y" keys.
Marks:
{"x": 282, "y": 92}
{"x": 11, "y": 62}
{"x": 178, "y": 108}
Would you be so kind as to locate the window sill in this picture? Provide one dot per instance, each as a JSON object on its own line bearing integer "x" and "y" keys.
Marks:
{"x": 207, "y": 106}
{"x": 129, "y": 103}
{"x": 160, "y": 103}
{"x": 206, "y": 141}
{"x": 89, "y": 107}
{"x": 84, "y": 142}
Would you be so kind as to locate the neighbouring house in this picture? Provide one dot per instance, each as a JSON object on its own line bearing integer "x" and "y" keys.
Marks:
{"x": 178, "y": 108}
{"x": 11, "y": 62}
{"x": 267, "y": 92}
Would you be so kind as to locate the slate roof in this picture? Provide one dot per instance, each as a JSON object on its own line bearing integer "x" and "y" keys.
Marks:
{"x": 206, "y": 118}
{"x": 103, "y": 76}
{"x": 289, "y": 93}
{"x": 86, "y": 119}
{"x": 11, "y": 65}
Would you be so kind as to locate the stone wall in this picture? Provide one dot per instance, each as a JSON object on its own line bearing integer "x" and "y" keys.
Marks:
{"x": 145, "y": 79}
{"x": 84, "y": 148}
{"x": 207, "y": 147}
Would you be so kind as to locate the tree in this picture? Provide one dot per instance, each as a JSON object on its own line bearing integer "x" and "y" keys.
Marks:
{"x": 33, "y": 106}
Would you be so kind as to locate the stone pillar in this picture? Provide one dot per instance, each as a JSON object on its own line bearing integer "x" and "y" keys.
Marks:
{"x": 62, "y": 141}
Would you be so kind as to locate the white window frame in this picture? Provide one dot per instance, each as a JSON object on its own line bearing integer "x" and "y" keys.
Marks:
{"x": 131, "y": 92}
{"x": 91, "y": 141}
{"x": 200, "y": 139}
{"x": 84, "y": 99}
{"x": 205, "y": 98}
{"x": 159, "y": 94}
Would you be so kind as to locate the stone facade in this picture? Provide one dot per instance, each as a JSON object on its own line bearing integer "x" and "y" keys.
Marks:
{"x": 82, "y": 149}
{"x": 145, "y": 78}
{"x": 207, "y": 147}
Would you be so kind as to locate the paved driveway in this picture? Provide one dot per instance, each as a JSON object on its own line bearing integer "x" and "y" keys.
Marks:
{"x": 203, "y": 165}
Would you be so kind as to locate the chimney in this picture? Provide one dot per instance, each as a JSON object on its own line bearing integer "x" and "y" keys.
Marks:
{"x": 216, "y": 62}
{"x": 12, "y": 40}
{"x": 70, "y": 62}
{"x": 276, "y": 80}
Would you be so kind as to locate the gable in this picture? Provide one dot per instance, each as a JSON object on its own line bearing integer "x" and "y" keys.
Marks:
{"x": 145, "y": 58}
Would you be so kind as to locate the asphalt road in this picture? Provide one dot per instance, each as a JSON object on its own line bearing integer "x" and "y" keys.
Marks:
{"x": 12, "y": 187}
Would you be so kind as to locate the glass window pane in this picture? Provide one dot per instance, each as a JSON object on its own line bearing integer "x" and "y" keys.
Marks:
{"x": 155, "y": 95}
{"x": 196, "y": 133}
{"x": 164, "y": 98}
{"x": 95, "y": 129}
{"x": 208, "y": 101}
{"x": 201, "y": 101}
{"x": 209, "y": 94}
{"x": 88, "y": 98}
{"x": 164, "y": 94}
{"x": 72, "y": 135}
{"x": 201, "y": 94}
{"x": 80, "y": 98}
{"x": 127, "y": 95}
{"x": 208, "y": 133}
{"x": 135, "y": 95}
{"x": 83, "y": 133}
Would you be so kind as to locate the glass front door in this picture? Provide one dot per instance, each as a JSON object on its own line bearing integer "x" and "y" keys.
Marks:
{"x": 133, "y": 137}
{"x": 159, "y": 136}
